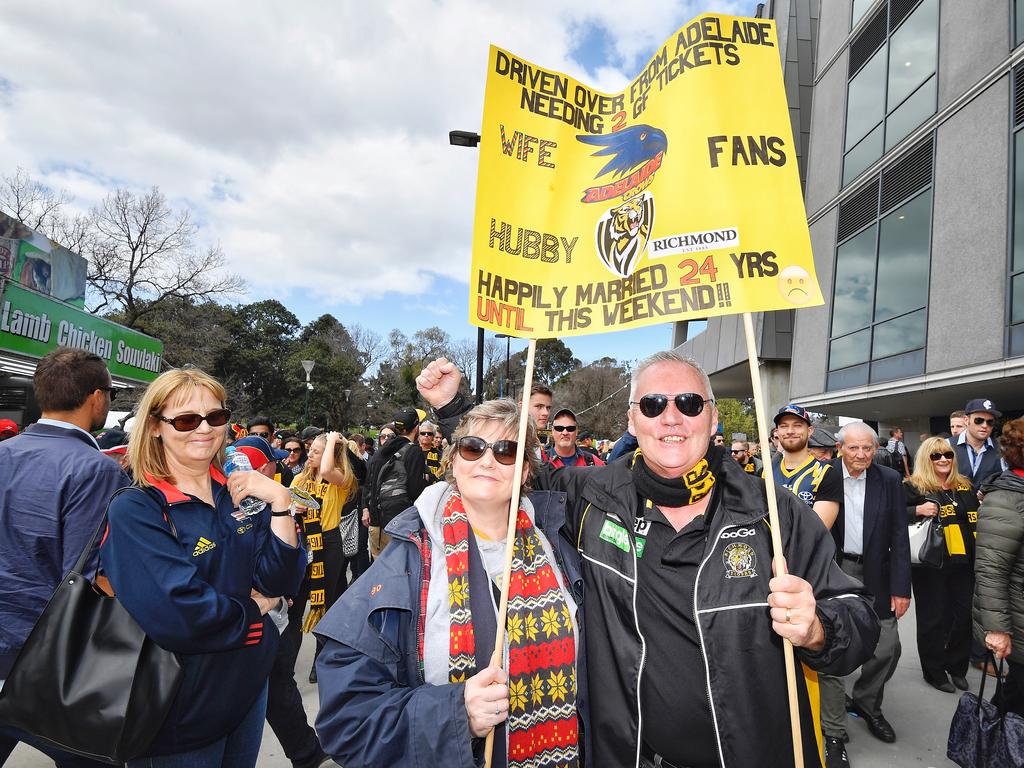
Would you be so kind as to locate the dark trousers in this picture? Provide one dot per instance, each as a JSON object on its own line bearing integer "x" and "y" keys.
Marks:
{"x": 9, "y": 738}
{"x": 362, "y": 559}
{"x": 285, "y": 712}
{"x": 1011, "y": 696}
{"x": 335, "y": 573}
{"x": 942, "y": 598}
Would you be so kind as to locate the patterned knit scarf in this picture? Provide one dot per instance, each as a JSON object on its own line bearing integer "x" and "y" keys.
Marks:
{"x": 542, "y": 725}
{"x": 315, "y": 546}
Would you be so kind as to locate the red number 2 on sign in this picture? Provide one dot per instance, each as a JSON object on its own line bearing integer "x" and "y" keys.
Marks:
{"x": 691, "y": 271}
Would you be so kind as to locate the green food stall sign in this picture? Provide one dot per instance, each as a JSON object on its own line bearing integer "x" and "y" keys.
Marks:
{"x": 33, "y": 325}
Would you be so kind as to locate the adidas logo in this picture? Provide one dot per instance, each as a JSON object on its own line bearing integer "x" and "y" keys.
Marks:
{"x": 203, "y": 546}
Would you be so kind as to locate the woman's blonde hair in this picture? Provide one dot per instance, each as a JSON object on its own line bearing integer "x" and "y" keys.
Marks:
{"x": 505, "y": 413}
{"x": 924, "y": 477}
{"x": 146, "y": 452}
{"x": 310, "y": 474}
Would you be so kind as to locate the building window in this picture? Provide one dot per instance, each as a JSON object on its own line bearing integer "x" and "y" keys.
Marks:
{"x": 1016, "y": 281}
{"x": 860, "y": 7}
{"x": 1018, "y": 22}
{"x": 880, "y": 294}
{"x": 893, "y": 81}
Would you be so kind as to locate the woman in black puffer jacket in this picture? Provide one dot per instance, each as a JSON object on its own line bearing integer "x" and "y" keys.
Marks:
{"x": 999, "y": 566}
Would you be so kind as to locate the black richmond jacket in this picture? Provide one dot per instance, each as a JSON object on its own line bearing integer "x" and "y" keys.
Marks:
{"x": 746, "y": 679}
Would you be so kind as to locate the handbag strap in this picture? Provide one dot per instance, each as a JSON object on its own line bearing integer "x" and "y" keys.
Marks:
{"x": 91, "y": 543}
{"x": 990, "y": 658}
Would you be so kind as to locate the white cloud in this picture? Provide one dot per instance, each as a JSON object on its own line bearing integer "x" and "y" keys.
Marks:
{"x": 312, "y": 135}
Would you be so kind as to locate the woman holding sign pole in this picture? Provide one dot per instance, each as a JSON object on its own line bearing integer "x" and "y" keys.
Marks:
{"x": 406, "y": 665}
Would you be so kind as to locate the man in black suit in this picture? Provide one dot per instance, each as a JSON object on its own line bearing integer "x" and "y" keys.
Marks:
{"x": 871, "y": 531}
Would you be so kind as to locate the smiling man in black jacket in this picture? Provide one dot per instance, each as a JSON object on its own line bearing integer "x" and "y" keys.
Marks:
{"x": 684, "y": 620}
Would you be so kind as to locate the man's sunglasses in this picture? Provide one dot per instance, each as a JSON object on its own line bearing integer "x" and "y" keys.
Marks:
{"x": 564, "y": 427}
{"x": 979, "y": 421}
{"x": 942, "y": 455}
{"x": 264, "y": 435}
{"x": 473, "y": 448}
{"x": 186, "y": 422}
{"x": 426, "y": 434}
{"x": 733, "y": 451}
{"x": 688, "y": 403}
{"x": 111, "y": 390}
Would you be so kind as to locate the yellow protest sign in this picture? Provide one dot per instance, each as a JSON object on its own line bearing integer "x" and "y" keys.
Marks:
{"x": 677, "y": 198}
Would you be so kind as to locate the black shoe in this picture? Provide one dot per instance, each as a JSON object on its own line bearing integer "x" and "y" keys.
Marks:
{"x": 940, "y": 685}
{"x": 312, "y": 675}
{"x": 849, "y": 705}
{"x": 879, "y": 726}
{"x": 960, "y": 682}
{"x": 835, "y": 753}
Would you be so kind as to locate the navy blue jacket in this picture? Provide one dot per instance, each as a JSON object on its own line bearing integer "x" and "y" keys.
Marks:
{"x": 54, "y": 486}
{"x": 375, "y": 708}
{"x": 990, "y": 466}
{"x": 190, "y": 594}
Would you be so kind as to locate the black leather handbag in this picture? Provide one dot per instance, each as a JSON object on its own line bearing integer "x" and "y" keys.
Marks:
{"x": 88, "y": 680}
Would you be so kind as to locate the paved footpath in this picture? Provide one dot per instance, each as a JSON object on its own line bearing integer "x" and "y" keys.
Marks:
{"x": 919, "y": 714}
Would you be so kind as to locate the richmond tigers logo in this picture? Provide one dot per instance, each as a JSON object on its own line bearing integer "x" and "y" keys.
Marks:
{"x": 623, "y": 232}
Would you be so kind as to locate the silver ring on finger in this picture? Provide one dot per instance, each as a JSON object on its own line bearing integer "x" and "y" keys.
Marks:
{"x": 789, "y": 616}
{"x": 497, "y": 711}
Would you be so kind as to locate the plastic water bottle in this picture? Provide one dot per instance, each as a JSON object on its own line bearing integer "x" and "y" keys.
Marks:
{"x": 239, "y": 462}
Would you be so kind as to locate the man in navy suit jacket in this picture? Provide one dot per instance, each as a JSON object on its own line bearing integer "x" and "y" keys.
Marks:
{"x": 871, "y": 532}
{"x": 54, "y": 488}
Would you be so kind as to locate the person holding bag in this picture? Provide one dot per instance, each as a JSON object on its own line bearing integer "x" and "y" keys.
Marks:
{"x": 199, "y": 574}
{"x": 936, "y": 489}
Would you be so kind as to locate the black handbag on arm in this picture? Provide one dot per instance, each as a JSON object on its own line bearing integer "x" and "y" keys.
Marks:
{"x": 88, "y": 680}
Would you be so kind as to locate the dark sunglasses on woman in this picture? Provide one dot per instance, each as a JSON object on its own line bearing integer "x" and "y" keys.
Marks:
{"x": 473, "y": 448}
{"x": 942, "y": 455}
{"x": 688, "y": 403}
{"x": 186, "y": 422}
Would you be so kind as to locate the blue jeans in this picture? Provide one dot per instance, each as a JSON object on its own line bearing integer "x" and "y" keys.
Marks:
{"x": 239, "y": 749}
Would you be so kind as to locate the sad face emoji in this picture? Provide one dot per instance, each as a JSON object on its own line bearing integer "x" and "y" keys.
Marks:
{"x": 795, "y": 285}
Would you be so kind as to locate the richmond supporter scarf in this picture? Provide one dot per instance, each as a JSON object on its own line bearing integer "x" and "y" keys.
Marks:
{"x": 542, "y": 725}
{"x": 677, "y": 491}
{"x": 315, "y": 546}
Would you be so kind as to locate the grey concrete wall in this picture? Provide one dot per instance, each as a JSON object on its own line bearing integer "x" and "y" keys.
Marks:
{"x": 969, "y": 234}
{"x": 973, "y": 38}
{"x": 833, "y": 29}
{"x": 810, "y": 332}
{"x": 828, "y": 117}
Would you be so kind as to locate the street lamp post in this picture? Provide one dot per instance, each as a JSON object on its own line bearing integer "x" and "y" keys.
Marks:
{"x": 471, "y": 139}
{"x": 508, "y": 370}
{"x": 307, "y": 365}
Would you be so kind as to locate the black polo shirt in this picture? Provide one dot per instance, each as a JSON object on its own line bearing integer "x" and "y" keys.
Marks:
{"x": 676, "y": 712}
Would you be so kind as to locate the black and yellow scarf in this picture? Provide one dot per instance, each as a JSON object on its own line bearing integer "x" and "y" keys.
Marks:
{"x": 675, "y": 492}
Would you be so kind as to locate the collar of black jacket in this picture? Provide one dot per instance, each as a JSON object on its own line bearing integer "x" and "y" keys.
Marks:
{"x": 741, "y": 496}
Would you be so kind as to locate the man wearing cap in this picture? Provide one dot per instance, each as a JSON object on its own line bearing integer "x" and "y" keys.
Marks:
{"x": 8, "y": 429}
{"x": 684, "y": 617}
{"x": 822, "y": 444}
{"x": 563, "y": 452}
{"x": 814, "y": 482}
{"x": 55, "y": 487}
{"x": 977, "y": 454}
{"x": 396, "y": 476}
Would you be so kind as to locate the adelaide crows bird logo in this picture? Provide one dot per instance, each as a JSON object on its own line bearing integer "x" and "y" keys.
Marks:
{"x": 623, "y": 231}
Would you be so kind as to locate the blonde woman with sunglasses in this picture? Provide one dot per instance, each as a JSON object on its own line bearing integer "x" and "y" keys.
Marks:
{"x": 943, "y": 595}
{"x": 198, "y": 574}
{"x": 406, "y": 665}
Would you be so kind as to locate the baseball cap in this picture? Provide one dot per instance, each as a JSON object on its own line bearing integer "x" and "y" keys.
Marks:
{"x": 407, "y": 419}
{"x": 982, "y": 405}
{"x": 112, "y": 438}
{"x": 6, "y": 425}
{"x": 259, "y": 451}
{"x": 821, "y": 438}
{"x": 309, "y": 433}
{"x": 563, "y": 412}
{"x": 792, "y": 410}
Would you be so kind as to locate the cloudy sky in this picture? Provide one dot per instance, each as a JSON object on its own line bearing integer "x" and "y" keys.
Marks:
{"x": 309, "y": 139}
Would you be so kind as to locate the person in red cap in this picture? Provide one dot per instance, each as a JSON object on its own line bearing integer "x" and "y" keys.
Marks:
{"x": 8, "y": 429}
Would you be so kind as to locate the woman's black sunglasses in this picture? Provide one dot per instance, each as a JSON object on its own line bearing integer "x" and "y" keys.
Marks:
{"x": 186, "y": 422}
{"x": 688, "y": 403}
{"x": 473, "y": 448}
{"x": 942, "y": 455}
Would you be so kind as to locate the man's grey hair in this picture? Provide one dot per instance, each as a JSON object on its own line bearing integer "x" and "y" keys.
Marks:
{"x": 859, "y": 427}
{"x": 426, "y": 425}
{"x": 669, "y": 356}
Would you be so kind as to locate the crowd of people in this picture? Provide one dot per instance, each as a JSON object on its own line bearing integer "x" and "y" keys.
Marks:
{"x": 641, "y": 595}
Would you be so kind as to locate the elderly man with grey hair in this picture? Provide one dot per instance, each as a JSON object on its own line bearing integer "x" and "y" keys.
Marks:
{"x": 871, "y": 533}
{"x": 683, "y": 616}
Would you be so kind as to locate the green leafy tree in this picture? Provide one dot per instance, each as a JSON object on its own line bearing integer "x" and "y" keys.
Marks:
{"x": 737, "y": 416}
